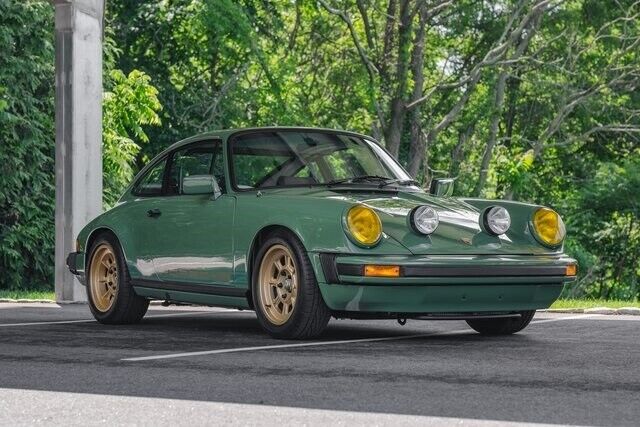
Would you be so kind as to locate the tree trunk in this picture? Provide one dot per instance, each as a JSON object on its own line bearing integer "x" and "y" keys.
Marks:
{"x": 493, "y": 133}
{"x": 458, "y": 151}
{"x": 393, "y": 132}
{"x": 389, "y": 29}
{"x": 499, "y": 103}
{"x": 417, "y": 148}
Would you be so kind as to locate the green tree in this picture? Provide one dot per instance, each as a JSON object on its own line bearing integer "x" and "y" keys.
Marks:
{"x": 130, "y": 104}
{"x": 607, "y": 218}
{"x": 26, "y": 144}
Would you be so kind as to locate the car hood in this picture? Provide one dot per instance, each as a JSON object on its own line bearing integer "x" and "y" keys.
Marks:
{"x": 459, "y": 230}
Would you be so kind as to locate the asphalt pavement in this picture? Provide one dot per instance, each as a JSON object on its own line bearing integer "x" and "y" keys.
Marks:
{"x": 196, "y": 366}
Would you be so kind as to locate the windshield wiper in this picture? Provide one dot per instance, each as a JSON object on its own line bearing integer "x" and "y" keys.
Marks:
{"x": 361, "y": 178}
{"x": 399, "y": 181}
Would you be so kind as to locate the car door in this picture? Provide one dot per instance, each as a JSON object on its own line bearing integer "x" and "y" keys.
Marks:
{"x": 144, "y": 241}
{"x": 196, "y": 227}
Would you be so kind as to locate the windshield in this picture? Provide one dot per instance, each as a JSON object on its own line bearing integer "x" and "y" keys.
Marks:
{"x": 292, "y": 158}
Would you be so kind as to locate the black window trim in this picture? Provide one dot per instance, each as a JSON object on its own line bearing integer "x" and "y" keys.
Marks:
{"x": 167, "y": 157}
{"x": 145, "y": 172}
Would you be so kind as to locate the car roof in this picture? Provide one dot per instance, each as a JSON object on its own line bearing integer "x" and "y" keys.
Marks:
{"x": 223, "y": 134}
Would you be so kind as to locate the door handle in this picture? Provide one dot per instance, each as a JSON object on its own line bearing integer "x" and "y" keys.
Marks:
{"x": 153, "y": 213}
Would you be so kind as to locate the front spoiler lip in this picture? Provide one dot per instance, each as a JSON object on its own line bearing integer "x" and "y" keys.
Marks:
{"x": 427, "y": 316}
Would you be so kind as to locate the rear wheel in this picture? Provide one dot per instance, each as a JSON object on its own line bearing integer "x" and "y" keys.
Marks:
{"x": 286, "y": 296}
{"x": 503, "y": 325}
{"x": 112, "y": 299}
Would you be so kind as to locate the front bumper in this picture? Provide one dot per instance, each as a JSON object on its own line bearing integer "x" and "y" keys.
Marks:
{"x": 442, "y": 284}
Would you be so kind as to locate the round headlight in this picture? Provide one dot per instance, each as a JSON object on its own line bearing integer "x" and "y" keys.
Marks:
{"x": 364, "y": 225}
{"x": 549, "y": 227}
{"x": 424, "y": 219}
{"x": 497, "y": 220}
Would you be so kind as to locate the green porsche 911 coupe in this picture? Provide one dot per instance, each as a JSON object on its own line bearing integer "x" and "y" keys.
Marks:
{"x": 303, "y": 224}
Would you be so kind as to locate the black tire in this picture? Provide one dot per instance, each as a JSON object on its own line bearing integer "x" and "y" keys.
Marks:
{"x": 128, "y": 308}
{"x": 502, "y": 326}
{"x": 310, "y": 314}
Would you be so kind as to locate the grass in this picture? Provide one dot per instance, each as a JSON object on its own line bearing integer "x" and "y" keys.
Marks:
{"x": 23, "y": 294}
{"x": 591, "y": 303}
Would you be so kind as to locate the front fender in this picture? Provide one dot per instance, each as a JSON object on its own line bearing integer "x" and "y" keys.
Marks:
{"x": 317, "y": 224}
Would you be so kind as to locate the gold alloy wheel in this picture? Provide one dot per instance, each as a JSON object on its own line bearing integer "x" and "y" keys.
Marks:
{"x": 278, "y": 284}
{"x": 103, "y": 281}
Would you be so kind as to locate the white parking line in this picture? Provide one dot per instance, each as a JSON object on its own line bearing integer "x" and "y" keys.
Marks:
{"x": 277, "y": 346}
{"x": 152, "y": 316}
{"x": 325, "y": 343}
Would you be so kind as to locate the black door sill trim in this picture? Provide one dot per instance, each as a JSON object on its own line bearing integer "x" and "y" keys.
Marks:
{"x": 195, "y": 288}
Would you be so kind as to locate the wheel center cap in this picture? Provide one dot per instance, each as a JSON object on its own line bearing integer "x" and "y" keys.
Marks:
{"x": 287, "y": 285}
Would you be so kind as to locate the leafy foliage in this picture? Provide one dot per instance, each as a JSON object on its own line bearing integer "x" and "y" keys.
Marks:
{"x": 27, "y": 135}
{"x": 607, "y": 218}
{"x": 131, "y": 103}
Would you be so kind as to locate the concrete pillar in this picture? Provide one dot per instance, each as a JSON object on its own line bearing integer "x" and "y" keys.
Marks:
{"x": 78, "y": 27}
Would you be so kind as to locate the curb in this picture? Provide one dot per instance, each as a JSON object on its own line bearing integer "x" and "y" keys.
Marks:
{"x": 632, "y": 311}
{"x": 27, "y": 301}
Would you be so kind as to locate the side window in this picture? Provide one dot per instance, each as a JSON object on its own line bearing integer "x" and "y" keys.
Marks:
{"x": 197, "y": 159}
{"x": 151, "y": 183}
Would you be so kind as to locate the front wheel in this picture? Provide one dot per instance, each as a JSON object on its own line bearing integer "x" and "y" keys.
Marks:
{"x": 502, "y": 326}
{"x": 286, "y": 296}
{"x": 112, "y": 299}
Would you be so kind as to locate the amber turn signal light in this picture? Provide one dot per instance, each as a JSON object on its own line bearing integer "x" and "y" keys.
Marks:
{"x": 572, "y": 270}
{"x": 382, "y": 270}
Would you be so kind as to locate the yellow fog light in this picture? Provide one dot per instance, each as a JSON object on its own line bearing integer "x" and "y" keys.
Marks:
{"x": 549, "y": 227}
{"x": 363, "y": 225}
{"x": 382, "y": 270}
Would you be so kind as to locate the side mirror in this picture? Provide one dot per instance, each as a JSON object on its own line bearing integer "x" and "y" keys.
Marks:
{"x": 201, "y": 184}
{"x": 441, "y": 187}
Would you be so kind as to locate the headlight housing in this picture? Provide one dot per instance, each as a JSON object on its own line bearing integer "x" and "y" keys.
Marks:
{"x": 424, "y": 219}
{"x": 363, "y": 225}
{"x": 496, "y": 220}
{"x": 548, "y": 227}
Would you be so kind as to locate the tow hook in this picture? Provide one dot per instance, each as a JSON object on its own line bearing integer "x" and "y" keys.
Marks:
{"x": 402, "y": 321}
